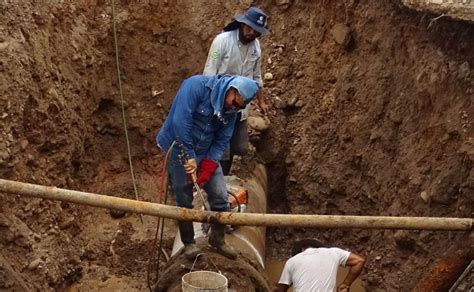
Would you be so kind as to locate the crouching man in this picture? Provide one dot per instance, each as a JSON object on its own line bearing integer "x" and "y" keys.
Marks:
{"x": 313, "y": 267}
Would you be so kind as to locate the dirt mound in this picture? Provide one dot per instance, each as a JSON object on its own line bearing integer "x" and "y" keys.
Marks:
{"x": 372, "y": 115}
{"x": 242, "y": 275}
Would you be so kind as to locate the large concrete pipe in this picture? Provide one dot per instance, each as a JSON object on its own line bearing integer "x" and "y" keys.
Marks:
{"x": 250, "y": 239}
{"x": 244, "y": 274}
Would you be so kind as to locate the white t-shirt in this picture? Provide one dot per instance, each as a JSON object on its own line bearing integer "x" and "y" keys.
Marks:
{"x": 314, "y": 270}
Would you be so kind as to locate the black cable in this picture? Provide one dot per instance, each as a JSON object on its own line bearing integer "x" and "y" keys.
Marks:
{"x": 237, "y": 199}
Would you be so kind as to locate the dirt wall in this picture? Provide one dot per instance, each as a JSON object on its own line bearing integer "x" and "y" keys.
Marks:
{"x": 383, "y": 127}
{"x": 372, "y": 115}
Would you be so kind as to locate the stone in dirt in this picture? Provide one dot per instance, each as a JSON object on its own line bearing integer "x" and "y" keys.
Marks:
{"x": 259, "y": 123}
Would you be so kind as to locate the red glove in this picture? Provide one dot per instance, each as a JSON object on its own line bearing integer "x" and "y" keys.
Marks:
{"x": 206, "y": 169}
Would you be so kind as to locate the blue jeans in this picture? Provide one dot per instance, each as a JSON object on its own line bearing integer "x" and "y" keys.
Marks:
{"x": 238, "y": 144}
{"x": 240, "y": 139}
{"x": 183, "y": 190}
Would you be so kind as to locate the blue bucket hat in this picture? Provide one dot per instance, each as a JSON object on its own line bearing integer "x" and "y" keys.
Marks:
{"x": 253, "y": 17}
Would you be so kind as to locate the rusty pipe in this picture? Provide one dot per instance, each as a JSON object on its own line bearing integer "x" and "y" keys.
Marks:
{"x": 447, "y": 269}
{"x": 277, "y": 220}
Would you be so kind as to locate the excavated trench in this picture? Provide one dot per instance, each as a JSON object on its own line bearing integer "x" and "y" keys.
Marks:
{"x": 372, "y": 107}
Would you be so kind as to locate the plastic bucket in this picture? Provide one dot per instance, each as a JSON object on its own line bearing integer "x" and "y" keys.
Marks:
{"x": 204, "y": 281}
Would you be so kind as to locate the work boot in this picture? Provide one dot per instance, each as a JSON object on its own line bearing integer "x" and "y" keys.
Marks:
{"x": 216, "y": 240}
{"x": 186, "y": 231}
{"x": 191, "y": 250}
{"x": 226, "y": 165}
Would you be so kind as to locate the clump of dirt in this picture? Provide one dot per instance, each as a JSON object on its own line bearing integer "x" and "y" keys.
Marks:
{"x": 241, "y": 274}
{"x": 372, "y": 115}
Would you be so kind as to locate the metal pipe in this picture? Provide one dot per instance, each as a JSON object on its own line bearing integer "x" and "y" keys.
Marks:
{"x": 279, "y": 220}
{"x": 461, "y": 278}
{"x": 448, "y": 268}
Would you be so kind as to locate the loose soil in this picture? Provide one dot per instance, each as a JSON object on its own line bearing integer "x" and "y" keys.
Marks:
{"x": 372, "y": 110}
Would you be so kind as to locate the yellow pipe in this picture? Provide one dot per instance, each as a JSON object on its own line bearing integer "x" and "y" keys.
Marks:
{"x": 249, "y": 219}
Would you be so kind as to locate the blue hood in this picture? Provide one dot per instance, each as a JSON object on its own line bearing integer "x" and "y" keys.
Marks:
{"x": 246, "y": 87}
{"x": 197, "y": 116}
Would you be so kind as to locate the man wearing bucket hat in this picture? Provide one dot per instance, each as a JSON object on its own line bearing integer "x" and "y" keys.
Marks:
{"x": 201, "y": 120}
{"x": 313, "y": 267}
{"x": 236, "y": 51}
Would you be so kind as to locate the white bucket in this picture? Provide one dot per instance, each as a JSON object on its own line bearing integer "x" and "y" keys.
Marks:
{"x": 204, "y": 281}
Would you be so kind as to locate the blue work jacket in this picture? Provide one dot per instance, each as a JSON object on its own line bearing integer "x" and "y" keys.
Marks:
{"x": 198, "y": 120}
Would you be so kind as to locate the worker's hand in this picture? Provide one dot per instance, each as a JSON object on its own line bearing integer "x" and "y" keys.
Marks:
{"x": 190, "y": 166}
{"x": 206, "y": 169}
{"x": 343, "y": 288}
{"x": 264, "y": 107}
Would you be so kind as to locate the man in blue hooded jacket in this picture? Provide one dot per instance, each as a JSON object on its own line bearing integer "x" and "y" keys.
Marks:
{"x": 202, "y": 119}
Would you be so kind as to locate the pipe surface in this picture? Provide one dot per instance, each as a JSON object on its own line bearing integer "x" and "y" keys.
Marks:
{"x": 248, "y": 240}
{"x": 448, "y": 268}
{"x": 278, "y": 220}
{"x": 459, "y": 9}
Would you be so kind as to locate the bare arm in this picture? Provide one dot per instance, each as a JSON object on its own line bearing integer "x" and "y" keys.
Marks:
{"x": 281, "y": 288}
{"x": 262, "y": 104}
{"x": 355, "y": 263}
{"x": 285, "y": 279}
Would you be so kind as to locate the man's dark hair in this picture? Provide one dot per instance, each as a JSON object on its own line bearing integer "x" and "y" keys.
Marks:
{"x": 299, "y": 245}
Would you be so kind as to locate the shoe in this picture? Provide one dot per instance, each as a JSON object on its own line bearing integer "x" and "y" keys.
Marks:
{"x": 191, "y": 251}
{"x": 216, "y": 241}
{"x": 226, "y": 250}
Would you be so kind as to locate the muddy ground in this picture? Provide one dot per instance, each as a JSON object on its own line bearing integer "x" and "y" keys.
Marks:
{"x": 372, "y": 115}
